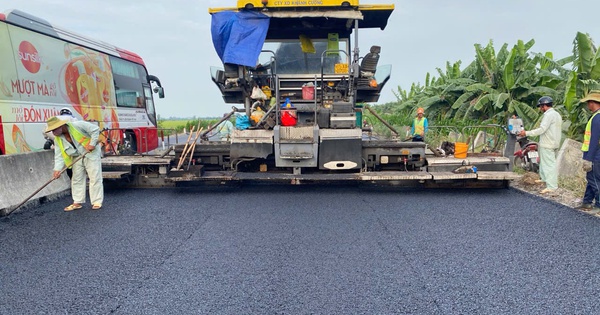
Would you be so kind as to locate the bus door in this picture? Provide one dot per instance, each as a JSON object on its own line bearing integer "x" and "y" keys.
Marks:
{"x": 151, "y": 133}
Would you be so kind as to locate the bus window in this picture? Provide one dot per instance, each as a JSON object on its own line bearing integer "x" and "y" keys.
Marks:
{"x": 128, "y": 82}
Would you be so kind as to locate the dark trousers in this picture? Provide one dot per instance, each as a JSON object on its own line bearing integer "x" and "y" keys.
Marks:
{"x": 593, "y": 185}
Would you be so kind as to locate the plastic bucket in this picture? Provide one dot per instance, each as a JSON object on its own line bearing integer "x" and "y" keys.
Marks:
{"x": 308, "y": 92}
{"x": 460, "y": 150}
{"x": 288, "y": 117}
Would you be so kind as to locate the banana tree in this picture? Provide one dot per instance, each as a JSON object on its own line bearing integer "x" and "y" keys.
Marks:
{"x": 509, "y": 82}
{"x": 584, "y": 78}
{"x": 490, "y": 89}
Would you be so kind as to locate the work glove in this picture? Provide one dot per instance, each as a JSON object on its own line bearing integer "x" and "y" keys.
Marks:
{"x": 587, "y": 166}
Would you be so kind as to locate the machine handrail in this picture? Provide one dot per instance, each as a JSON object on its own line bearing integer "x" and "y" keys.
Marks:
{"x": 470, "y": 141}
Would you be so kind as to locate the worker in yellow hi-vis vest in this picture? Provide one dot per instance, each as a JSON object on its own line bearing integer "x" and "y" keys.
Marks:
{"x": 419, "y": 126}
{"x": 71, "y": 140}
{"x": 591, "y": 156}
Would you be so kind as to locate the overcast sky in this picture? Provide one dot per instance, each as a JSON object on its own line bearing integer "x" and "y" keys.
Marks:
{"x": 173, "y": 37}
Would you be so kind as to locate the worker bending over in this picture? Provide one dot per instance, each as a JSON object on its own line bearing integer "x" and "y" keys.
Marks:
{"x": 71, "y": 140}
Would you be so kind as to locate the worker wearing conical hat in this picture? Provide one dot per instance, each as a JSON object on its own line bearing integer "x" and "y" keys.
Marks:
{"x": 591, "y": 156}
{"x": 71, "y": 140}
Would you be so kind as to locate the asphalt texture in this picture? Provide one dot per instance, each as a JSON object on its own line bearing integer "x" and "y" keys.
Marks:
{"x": 302, "y": 250}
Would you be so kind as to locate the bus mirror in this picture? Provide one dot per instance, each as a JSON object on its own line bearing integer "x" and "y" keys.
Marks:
{"x": 160, "y": 91}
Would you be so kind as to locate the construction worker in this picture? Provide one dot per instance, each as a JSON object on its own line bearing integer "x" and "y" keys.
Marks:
{"x": 591, "y": 156}
{"x": 224, "y": 129}
{"x": 550, "y": 133}
{"x": 419, "y": 126}
{"x": 73, "y": 139}
{"x": 66, "y": 114}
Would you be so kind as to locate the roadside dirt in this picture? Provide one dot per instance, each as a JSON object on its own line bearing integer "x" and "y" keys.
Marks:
{"x": 563, "y": 196}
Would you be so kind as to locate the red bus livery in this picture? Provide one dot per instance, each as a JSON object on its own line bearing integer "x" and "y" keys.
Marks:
{"x": 45, "y": 68}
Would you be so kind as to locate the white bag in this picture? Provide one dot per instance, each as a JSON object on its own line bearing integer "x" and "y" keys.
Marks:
{"x": 258, "y": 94}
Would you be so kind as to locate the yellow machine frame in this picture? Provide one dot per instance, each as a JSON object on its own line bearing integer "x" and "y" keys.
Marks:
{"x": 241, "y": 4}
{"x": 373, "y": 15}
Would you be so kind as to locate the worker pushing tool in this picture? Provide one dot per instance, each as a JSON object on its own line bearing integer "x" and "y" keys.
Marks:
{"x": 73, "y": 139}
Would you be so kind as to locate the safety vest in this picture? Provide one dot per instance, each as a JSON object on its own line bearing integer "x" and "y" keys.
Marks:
{"x": 75, "y": 135}
{"x": 419, "y": 125}
{"x": 588, "y": 134}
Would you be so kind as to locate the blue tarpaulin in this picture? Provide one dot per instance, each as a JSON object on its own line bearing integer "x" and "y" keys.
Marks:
{"x": 238, "y": 37}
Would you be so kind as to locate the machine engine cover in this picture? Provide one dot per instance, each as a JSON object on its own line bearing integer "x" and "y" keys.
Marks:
{"x": 342, "y": 107}
{"x": 342, "y": 120}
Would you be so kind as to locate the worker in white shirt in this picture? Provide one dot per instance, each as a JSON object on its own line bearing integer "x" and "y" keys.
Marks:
{"x": 550, "y": 134}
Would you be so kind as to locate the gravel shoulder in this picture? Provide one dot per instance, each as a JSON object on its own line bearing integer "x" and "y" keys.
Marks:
{"x": 562, "y": 196}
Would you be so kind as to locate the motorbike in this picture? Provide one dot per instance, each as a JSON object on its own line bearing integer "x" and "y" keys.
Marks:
{"x": 527, "y": 157}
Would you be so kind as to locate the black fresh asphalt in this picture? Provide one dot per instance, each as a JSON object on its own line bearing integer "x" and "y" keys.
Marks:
{"x": 302, "y": 250}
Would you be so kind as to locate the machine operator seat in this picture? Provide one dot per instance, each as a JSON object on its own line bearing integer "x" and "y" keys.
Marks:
{"x": 368, "y": 65}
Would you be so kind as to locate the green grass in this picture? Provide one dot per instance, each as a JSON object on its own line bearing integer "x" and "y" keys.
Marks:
{"x": 519, "y": 170}
{"x": 178, "y": 125}
{"x": 171, "y": 124}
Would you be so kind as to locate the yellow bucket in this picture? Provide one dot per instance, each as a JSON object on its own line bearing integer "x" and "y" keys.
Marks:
{"x": 460, "y": 150}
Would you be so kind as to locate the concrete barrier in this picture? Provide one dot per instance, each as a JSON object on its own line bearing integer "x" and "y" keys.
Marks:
{"x": 480, "y": 141}
{"x": 569, "y": 159}
{"x": 454, "y": 136}
{"x": 22, "y": 174}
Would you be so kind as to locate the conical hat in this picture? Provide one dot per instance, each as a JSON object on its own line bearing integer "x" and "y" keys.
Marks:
{"x": 54, "y": 123}
{"x": 591, "y": 97}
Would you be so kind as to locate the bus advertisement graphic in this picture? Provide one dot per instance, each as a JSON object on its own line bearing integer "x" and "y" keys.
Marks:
{"x": 40, "y": 74}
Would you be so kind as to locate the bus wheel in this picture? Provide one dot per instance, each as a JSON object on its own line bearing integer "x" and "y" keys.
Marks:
{"x": 129, "y": 146}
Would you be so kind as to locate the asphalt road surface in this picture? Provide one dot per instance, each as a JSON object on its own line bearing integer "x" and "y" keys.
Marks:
{"x": 302, "y": 250}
